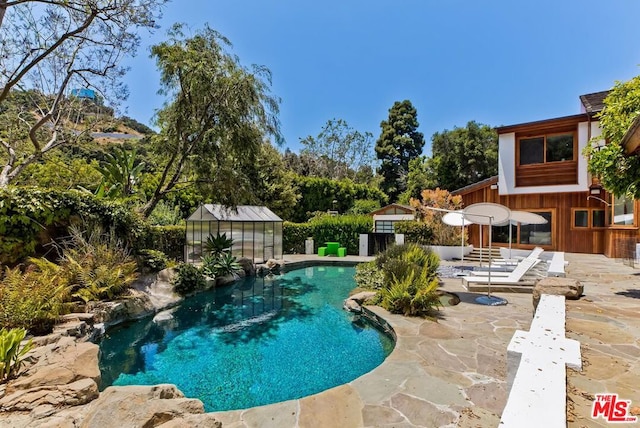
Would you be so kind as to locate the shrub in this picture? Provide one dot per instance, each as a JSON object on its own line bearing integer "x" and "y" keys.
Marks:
{"x": 369, "y": 277}
{"x": 364, "y": 206}
{"x": 12, "y": 351}
{"x": 415, "y": 231}
{"x": 294, "y": 235}
{"x": 31, "y": 218}
{"x": 168, "y": 239}
{"x": 33, "y": 298}
{"x": 188, "y": 279}
{"x": 217, "y": 245}
{"x": 415, "y": 294}
{"x": 99, "y": 266}
{"x": 409, "y": 279}
{"x": 345, "y": 229}
{"x": 152, "y": 260}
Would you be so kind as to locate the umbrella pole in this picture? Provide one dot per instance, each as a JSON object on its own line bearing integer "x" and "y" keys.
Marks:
{"x": 490, "y": 268}
{"x": 510, "y": 239}
{"x": 462, "y": 241}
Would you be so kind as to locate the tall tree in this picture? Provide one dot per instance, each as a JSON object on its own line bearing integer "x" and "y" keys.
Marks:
{"x": 399, "y": 142}
{"x": 49, "y": 48}
{"x": 463, "y": 156}
{"x": 217, "y": 117}
{"x": 339, "y": 150}
{"x": 418, "y": 179}
{"x": 619, "y": 174}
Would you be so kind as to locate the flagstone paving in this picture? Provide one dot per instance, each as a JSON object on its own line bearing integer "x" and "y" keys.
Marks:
{"x": 450, "y": 372}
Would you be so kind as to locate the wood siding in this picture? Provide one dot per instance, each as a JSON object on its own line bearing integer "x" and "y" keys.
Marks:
{"x": 564, "y": 236}
{"x": 547, "y": 174}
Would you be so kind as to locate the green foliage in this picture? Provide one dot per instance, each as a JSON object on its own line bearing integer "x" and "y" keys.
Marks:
{"x": 619, "y": 174}
{"x": 12, "y": 351}
{"x": 272, "y": 184}
{"x": 413, "y": 293}
{"x": 98, "y": 265}
{"x": 462, "y": 157}
{"x": 345, "y": 229}
{"x": 31, "y": 218}
{"x": 418, "y": 179}
{"x": 188, "y": 279}
{"x": 339, "y": 151}
{"x": 168, "y": 239}
{"x": 415, "y": 231}
{"x": 166, "y": 215}
{"x": 364, "y": 206}
{"x": 226, "y": 264}
{"x": 152, "y": 260}
{"x": 369, "y": 276}
{"x": 218, "y": 245}
{"x": 323, "y": 194}
{"x": 120, "y": 173}
{"x": 217, "y": 116}
{"x": 409, "y": 278}
{"x": 399, "y": 142}
{"x": 294, "y": 235}
{"x": 61, "y": 173}
{"x": 32, "y": 298}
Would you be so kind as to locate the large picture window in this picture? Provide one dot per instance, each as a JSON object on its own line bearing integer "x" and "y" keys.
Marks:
{"x": 546, "y": 148}
{"x": 527, "y": 234}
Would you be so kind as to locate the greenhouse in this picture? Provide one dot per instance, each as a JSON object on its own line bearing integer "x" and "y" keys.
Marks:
{"x": 256, "y": 231}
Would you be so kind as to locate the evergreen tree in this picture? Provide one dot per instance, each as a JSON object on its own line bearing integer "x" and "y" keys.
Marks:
{"x": 399, "y": 142}
{"x": 463, "y": 156}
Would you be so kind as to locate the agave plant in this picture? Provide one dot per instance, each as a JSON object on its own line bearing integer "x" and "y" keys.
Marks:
{"x": 217, "y": 245}
{"x": 226, "y": 264}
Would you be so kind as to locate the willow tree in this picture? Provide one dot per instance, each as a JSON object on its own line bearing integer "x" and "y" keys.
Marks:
{"x": 217, "y": 115}
{"x": 49, "y": 48}
{"x": 399, "y": 142}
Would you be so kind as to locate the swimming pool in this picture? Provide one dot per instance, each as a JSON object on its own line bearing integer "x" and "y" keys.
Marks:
{"x": 255, "y": 342}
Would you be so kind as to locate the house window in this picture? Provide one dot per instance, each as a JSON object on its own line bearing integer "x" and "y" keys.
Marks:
{"x": 581, "y": 218}
{"x": 546, "y": 149}
{"x": 384, "y": 226}
{"x": 537, "y": 234}
{"x": 598, "y": 218}
{"x": 585, "y": 218}
{"x": 622, "y": 208}
{"x": 527, "y": 234}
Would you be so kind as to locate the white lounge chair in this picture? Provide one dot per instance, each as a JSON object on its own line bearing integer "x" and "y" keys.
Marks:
{"x": 534, "y": 254}
{"x": 515, "y": 277}
{"x": 504, "y": 273}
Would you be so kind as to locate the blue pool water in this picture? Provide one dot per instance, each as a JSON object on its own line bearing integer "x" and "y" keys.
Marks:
{"x": 259, "y": 341}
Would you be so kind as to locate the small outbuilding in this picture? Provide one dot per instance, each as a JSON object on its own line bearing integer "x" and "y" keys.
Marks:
{"x": 385, "y": 217}
{"x": 256, "y": 231}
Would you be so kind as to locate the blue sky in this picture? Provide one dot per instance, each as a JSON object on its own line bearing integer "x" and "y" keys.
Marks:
{"x": 497, "y": 62}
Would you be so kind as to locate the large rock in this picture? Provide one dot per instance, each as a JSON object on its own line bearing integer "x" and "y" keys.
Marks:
{"x": 142, "y": 406}
{"x": 136, "y": 305}
{"x": 570, "y": 288}
{"x": 59, "y": 363}
{"x": 247, "y": 266}
{"x": 55, "y": 396}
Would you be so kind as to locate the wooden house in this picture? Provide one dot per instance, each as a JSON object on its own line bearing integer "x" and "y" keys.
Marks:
{"x": 541, "y": 169}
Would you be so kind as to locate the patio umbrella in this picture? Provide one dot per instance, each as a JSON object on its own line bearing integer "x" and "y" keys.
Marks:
{"x": 522, "y": 217}
{"x": 487, "y": 213}
{"x": 456, "y": 218}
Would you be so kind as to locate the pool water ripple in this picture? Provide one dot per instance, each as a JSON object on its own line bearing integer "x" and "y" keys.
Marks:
{"x": 256, "y": 342}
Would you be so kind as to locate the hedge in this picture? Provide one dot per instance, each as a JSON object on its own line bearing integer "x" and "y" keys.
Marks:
{"x": 345, "y": 229}
{"x": 415, "y": 231}
{"x": 168, "y": 239}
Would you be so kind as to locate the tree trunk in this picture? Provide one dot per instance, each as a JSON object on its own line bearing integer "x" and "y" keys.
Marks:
{"x": 3, "y": 9}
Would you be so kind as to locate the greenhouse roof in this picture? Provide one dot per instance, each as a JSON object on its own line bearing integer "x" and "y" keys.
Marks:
{"x": 211, "y": 212}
